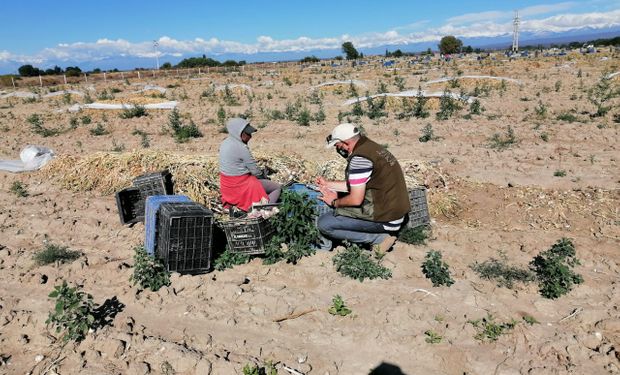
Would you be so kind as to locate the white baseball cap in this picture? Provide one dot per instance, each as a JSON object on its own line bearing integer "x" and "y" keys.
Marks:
{"x": 342, "y": 133}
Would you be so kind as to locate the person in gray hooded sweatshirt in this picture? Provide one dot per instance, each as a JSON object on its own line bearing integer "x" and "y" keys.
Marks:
{"x": 242, "y": 183}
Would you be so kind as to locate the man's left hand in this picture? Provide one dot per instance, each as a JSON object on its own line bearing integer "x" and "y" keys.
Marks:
{"x": 327, "y": 195}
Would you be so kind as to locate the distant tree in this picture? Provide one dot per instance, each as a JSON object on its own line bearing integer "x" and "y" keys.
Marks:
{"x": 29, "y": 71}
{"x": 310, "y": 59}
{"x": 397, "y": 53}
{"x": 166, "y": 65}
{"x": 338, "y": 58}
{"x": 96, "y": 70}
{"x": 450, "y": 44}
{"x": 429, "y": 51}
{"x": 230, "y": 63}
{"x": 194, "y": 62}
{"x": 468, "y": 49}
{"x": 349, "y": 50}
{"x": 73, "y": 71}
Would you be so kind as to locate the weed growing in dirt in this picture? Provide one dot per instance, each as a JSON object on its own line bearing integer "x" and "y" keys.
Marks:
{"x": 530, "y": 320}
{"x": 99, "y": 130}
{"x": 475, "y": 108}
{"x": 432, "y": 337}
{"x": 267, "y": 369}
{"x": 489, "y": 330}
{"x": 448, "y": 106}
{"x": 435, "y": 269}
{"x": 568, "y": 117}
{"x": 376, "y": 108}
{"x": 73, "y": 312}
{"x": 541, "y": 110}
{"x": 601, "y": 93}
{"x": 86, "y": 120}
{"x": 294, "y": 226}
{"x": 544, "y": 137}
{"x": 559, "y": 173}
{"x": 553, "y": 268}
{"x": 338, "y": 307}
{"x": 229, "y": 259}
{"x": 399, "y": 82}
{"x": 148, "y": 272}
{"x": 501, "y": 142}
{"x": 503, "y": 274}
{"x": 229, "y": 97}
{"x": 182, "y": 133}
{"x": 36, "y": 125}
{"x": 357, "y": 264}
{"x": 144, "y": 138}
{"x": 135, "y": 111}
{"x": 414, "y": 236}
{"x": 19, "y": 189}
{"x": 55, "y": 253}
{"x": 427, "y": 134}
{"x": 353, "y": 91}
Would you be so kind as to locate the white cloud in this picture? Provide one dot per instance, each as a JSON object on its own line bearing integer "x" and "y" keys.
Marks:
{"x": 486, "y": 24}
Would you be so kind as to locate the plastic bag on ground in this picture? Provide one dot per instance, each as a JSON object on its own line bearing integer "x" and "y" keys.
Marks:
{"x": 31, "y": 158}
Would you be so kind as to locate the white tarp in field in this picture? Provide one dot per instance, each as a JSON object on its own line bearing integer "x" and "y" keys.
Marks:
{"x": 19, "y": 94}
{"x": 333, "y": 83}
{"x": 162, "y": 105}
{"x": 410, "y": 94}
{"x": 31, "y": 158}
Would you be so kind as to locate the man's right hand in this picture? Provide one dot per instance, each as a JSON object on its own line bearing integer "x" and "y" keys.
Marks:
{"x": 321, "y": 181}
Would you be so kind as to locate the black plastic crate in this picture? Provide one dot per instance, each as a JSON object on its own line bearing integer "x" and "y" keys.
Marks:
{"x": 130, "y": 205}
{"x": 185, "y": 237}
{"x": 418, "y": 216}
{"x": 248, "y": 236}
{"x": 158, "y": 183}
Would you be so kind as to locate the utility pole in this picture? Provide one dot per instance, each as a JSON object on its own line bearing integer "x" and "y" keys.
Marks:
{"x": 515, "y": 33}
{"x": 155, "y": 45}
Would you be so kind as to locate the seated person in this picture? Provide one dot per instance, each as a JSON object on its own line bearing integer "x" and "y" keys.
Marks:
{"x": 375, "y": 203}
{"x": 241, "y": 182}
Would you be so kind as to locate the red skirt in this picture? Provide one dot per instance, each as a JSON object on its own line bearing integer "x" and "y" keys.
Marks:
{"x": 241, "y": 191}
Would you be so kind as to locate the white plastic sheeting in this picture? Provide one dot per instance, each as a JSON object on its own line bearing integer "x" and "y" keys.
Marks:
{"x": 19, "y": 94}
{"x": 333, "y": 83}
{"x": 31, "y": 158}
{"x": 162, "y": 105}
{"x": 409, "y": 94}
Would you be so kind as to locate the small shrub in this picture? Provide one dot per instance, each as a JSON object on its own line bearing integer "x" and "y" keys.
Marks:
{"x": 19, "y": 189}
{"x": 267, "y": 369}
{"x": 86, "y": 120}
{"x": 432, "y": 337}
{"x": 357, "y": 264}
{"x": 148, "y": 272}
{"x": 55, "y": 253}
{"x": 303, "y": 118}
{"x": 544, "y": 137}
{"x": 414, "y": 236}
{"x": 501, "y": 142}
{"x": 36, "y": 124}
{"x": 475, "y": 108}
{"x": 503, "y": 274}
{"x": 530, "y": 320}
{"x": 399, "y": 82}
{"x": 221, "y": 117}
{"x": 559, "y": 173}
{"x": 99, "y": 130}
{"x": 229, "y": 259}
{"x": 375, "y": 108}
{"x": 427, "y": 134}
{"x": 435, "y": 269}
{"x": 541, "y": 110}
{"x": 553, "y": 268}
{"x": 74, "y": 312}
{"x": 448, "y": 106}
{"x": 601, "y": 93}
{"x": 568, "y": 117}
{"x": 338, "y": 307}
{"x": 489, "y": 330}
{"x": 134, "y": 111}
{"x": 182, "y": 133}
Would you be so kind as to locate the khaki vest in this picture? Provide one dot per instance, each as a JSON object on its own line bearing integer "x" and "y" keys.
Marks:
{"x": 386, "y": 196}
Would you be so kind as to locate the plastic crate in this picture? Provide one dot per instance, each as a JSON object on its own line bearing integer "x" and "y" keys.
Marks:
{"x": 321, "y": 207}
{"x": 151, "y": 209}
{"x": 158, "y": 183}
{"x": 130, "y": 205}
{"x": 185, "y": 237}
{"x": 418, "y": 216}
{"x": 248, "y": 236}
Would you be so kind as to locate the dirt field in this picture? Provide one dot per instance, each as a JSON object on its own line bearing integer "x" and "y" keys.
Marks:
{"x": 558, "y": 176}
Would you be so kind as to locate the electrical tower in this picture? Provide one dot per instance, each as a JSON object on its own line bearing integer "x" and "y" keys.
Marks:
{"x": 515, "y": 33}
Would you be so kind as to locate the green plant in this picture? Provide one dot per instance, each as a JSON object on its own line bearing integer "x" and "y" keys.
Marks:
{"x": 375, "y": 108}
{"x": 414, "y": 236}
{"x": 221, "y": 116}
{"x": 294, "y": 226}
{"x": 73, "y": 312}
{"x": 399, "y": 82}
{"x": 148, "y": 272}
{"x": 104, "y": 95}
{"x": 267, "y": 369}
{"x": 18, "y": 189}
{"x": 541, "y": 109}
{"x": 544, "y": 136}
{"x": 489, "y": 330}
{"x": 229, "y": 259}
{"x": 553, "y": 268}
{"x": 182, "y": 133}
{"x": 55, "y": 253}
{"x": 558, "y": 86}
{"x": 530, "y": 320}
{"x": 73, "y": 123}
{"x": 287, "y": 81}
{"x": 502, "y": 273}
{"x": 357, "y": 264}
{"x": 448, "y": 106}
{"x": 559, "y": 173}
{"x": 36, "y": 124}
{"x": 432, "y": 337}
{"x": 602, "y": 92}
{"x": 382, "y": 89}
{"x": 353, "y": 90}
{"x": 435, "y": 269}
{"x": 338, "y": 307}
{"x": 86, "y": 120}
{"x": 66, "y": 98}
{"x": 136, "y": 110}
{"x": 99, "y": 130}
{"x": 568, "y": 117}
{"x": 144, "y": 138}
{"x": 229, "y": 97}
{"x": 427, "y": 134}
{"x": 475, "y": 108}
{"x": 303, "y": 118}
{"x": 501, "y": 142}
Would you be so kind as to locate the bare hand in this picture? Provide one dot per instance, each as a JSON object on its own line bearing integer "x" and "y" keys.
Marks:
{"x": 327, "y": 195}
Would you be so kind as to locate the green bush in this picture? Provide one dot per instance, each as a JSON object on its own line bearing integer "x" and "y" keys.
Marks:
{"x": 553, "y": 268}
{"x": 427, "y": 134}
{"x": 18, "y": 189}
{"x": 55, "y": 253}
{"x": 435, "y": 269}
{"x": 229, "y": 259}
{"x": 448, "y": 106}
{"x": 414, "y": 236}
{"x": 182, "y": 133}
{"x": 73, "y": 312}
{"x": 502, "y": 273}
{"x": 136, "y": 110}
{"x": 99, "y": 130}
{"x": 502, "y": 142}
{"x": 148, "y": 272}
{"x": 357, "y": 264}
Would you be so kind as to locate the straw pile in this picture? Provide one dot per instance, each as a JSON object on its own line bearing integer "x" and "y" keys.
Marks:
{"x": 193, "y": 175}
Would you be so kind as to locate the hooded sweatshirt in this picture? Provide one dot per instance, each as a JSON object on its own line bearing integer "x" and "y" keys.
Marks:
{"x": 235, "y": 156}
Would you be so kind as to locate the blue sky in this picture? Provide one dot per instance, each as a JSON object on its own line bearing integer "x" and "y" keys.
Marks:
{"x": 40, "y": 31}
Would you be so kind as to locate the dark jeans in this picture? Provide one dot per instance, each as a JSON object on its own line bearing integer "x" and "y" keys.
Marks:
{"x": 346, "y": 228}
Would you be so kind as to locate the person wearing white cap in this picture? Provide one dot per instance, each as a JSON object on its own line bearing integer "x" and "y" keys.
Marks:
{"x": 375, "y": 201}
{"x": 242, "y": 183}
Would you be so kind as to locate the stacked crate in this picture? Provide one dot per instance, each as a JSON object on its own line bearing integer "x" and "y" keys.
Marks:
{"x": 418, "y": 216}
{"x": 151, "y": 214}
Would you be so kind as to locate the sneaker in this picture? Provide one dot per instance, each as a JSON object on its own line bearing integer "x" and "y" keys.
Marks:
{"x": 385, "y": 245}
